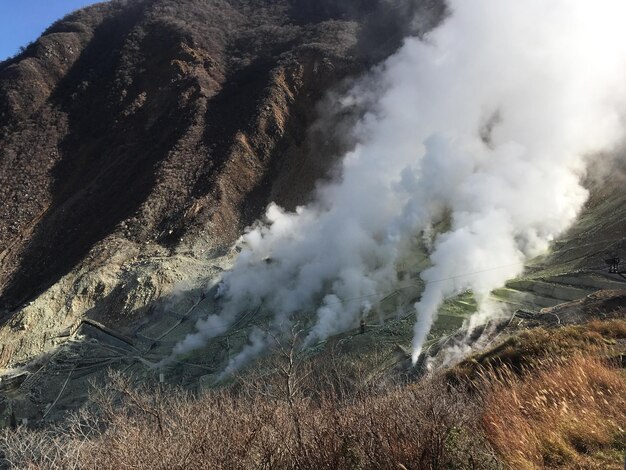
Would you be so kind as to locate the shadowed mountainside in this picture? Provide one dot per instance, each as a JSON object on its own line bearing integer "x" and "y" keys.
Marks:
{"x": 138, "y": 139}
{"x": 159, "y": 120}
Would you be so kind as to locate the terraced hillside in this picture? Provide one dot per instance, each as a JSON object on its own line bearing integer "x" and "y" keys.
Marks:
{"x": 131, "y": 166}
{"x": 138, "y": 138}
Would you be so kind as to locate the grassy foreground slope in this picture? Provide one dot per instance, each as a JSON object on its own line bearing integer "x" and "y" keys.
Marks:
{"x": 545, "y": 398}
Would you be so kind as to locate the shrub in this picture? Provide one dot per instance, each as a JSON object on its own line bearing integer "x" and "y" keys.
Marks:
{"x": 424, "y": 426}
{"x": 566, "y": 414}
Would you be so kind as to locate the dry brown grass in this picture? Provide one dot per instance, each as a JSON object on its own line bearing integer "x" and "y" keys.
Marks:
{"x": 562, "y": 411}
{"x": 566, "y": 414}
{"x": 425, "y": 426}
{"x": 532, "y": 347}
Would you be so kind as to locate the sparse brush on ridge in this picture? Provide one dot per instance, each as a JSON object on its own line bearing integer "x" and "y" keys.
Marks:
{"x": 424, "y": 426}
{"x": 560, "y": 412}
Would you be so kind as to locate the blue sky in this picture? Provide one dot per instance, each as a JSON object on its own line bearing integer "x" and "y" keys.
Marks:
{"x": 22, "y": 21}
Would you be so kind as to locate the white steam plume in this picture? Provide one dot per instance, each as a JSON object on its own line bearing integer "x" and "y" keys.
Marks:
{"x": 488, "y": 123}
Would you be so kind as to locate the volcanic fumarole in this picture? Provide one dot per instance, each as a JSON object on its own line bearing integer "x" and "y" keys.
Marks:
{"x": 490, "y": 120}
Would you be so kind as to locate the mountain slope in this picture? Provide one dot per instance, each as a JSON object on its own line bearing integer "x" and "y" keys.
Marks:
{"x": 139, "y": 138}
{"x": 140, "y": 129}
{"x": 154, "y": 120}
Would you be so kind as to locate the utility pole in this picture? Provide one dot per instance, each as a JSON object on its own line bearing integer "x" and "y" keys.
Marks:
{"x": 614, "y": 266}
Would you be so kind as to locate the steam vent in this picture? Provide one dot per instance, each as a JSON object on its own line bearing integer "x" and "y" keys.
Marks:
{"x": 313, "y": 234}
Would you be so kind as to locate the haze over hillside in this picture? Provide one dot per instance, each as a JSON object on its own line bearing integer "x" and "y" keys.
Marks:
{"x": 185, "y": 183}
{"x": 134, "y": 111}
{"x": 139, "y": 138}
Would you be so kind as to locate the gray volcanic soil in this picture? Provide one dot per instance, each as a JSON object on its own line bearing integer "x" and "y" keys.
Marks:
{"x": 142, "y": 130}
{"x": 139, "y": 138}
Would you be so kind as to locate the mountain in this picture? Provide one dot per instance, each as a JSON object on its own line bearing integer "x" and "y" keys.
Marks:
{"x": 138, "y": 141}
{"x": 141, "y": 129}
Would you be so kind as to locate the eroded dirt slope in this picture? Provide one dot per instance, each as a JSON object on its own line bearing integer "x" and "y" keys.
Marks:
{"x": 152, "y": 120}
{"x": 134, "y": 132}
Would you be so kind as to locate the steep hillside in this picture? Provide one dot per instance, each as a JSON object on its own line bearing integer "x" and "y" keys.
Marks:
{"x": 161, "y": 116}
{"x": 139, "y": 139}
{"x": 139, "y": 129}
